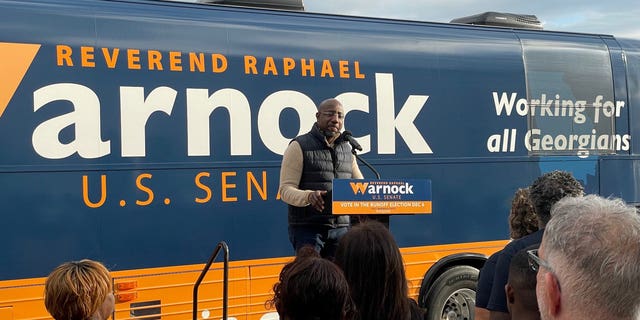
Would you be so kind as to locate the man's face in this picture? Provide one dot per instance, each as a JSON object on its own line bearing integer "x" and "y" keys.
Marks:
{"x": 541, "y": 288}
{"x": 330, "y": 118}
{"x": 107, "y": 307}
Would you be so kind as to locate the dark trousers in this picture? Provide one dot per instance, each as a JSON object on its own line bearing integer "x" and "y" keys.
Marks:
{"x": 323, "y": 239}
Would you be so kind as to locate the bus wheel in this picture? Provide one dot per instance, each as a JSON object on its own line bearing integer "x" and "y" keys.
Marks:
{"x": 453, "y": 294}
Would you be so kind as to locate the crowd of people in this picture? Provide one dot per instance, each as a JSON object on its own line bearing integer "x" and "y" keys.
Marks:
{"x": 572, "y": 256}
{"x": 544, "y": 192}
{"x": 581, "y": 263}
{"x": 590, "y": 247}
{"x": 368, "y": 266}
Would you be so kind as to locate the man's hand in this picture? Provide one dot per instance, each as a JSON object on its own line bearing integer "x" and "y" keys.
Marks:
{"x": 316, "y": 199}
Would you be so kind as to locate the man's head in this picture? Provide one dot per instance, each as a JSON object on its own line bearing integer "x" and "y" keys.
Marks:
{"x": 590, "y": 252}
{"x": 548, "y": 189}
{"x": 330, "y": 118}
{"x": 521, "y": 287}
{"x": 79, "y": 290}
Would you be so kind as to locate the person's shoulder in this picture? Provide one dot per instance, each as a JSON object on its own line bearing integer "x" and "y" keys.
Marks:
{"x": 494, "y": 257}
{"x": 531, "y": 239}
{"x": 303, "y": 137}
{"x": 519, "y": 244}
{"x": 293, "y": 146}
{"x": 416, "y": 312}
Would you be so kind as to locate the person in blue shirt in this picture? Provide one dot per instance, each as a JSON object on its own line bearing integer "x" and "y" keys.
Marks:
{"x": 522, "y": 222}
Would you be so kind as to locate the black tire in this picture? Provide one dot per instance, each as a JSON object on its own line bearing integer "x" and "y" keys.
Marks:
{"x": 453, "y": 294}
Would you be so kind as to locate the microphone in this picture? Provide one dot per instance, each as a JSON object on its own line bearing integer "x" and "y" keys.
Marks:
{"x": 352, "y": 141}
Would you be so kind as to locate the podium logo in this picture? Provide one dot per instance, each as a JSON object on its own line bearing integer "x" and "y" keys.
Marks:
{"x": 366, "y": 188}
{"x": 358, "y": 187}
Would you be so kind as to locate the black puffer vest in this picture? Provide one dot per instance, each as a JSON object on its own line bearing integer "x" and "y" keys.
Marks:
{"x": 321, "y": 164}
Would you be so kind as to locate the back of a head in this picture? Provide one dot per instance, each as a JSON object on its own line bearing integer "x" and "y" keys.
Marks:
{"x": 522, "y": 217}
{"x": 594, "y": 243}
{"x": 549, "y": 188}
{"x": 77, "y": 290}
{"x": 307, "y": 251}
{"x": 522, "y": 280}
{"x": 373, "y": 266}
{"x": 312, "y": 288}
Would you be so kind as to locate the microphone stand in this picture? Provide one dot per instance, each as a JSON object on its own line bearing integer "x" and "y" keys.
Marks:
{"x": 355, "y": 153}
{"x": 382, "y": 218}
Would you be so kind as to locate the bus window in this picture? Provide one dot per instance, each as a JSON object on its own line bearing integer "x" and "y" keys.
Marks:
{"x": 571, "y": 106}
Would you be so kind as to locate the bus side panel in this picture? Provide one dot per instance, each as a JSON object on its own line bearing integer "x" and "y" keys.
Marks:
{"x": 164, "y": 207}
{"x": 145, "y": 132}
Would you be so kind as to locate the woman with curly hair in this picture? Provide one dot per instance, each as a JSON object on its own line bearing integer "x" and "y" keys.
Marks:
{"x": 522, "y": 217}
{"x": 522, "y": 221}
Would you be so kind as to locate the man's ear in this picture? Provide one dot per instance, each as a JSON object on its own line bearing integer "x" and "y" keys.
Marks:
{"x": 553, "y": 295}
{"x": 508, "y": 289}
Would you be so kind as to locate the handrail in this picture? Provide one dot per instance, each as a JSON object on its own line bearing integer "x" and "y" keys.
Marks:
{"x": 225, "y": 281}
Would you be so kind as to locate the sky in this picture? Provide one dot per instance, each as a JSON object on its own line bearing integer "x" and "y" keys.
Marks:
{"x": 620, "y": 18}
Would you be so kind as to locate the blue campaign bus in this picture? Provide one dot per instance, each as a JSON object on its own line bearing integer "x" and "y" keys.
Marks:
{"x": 141, "y": 133}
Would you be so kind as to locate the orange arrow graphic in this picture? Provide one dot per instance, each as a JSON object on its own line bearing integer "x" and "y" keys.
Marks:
{"x": 15, "y": 59}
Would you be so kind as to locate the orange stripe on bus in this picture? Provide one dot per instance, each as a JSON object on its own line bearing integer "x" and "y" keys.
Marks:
{"x": 381, "y": 207}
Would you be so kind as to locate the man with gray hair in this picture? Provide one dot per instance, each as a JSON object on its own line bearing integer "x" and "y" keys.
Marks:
{"x": 588, "y": 261}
